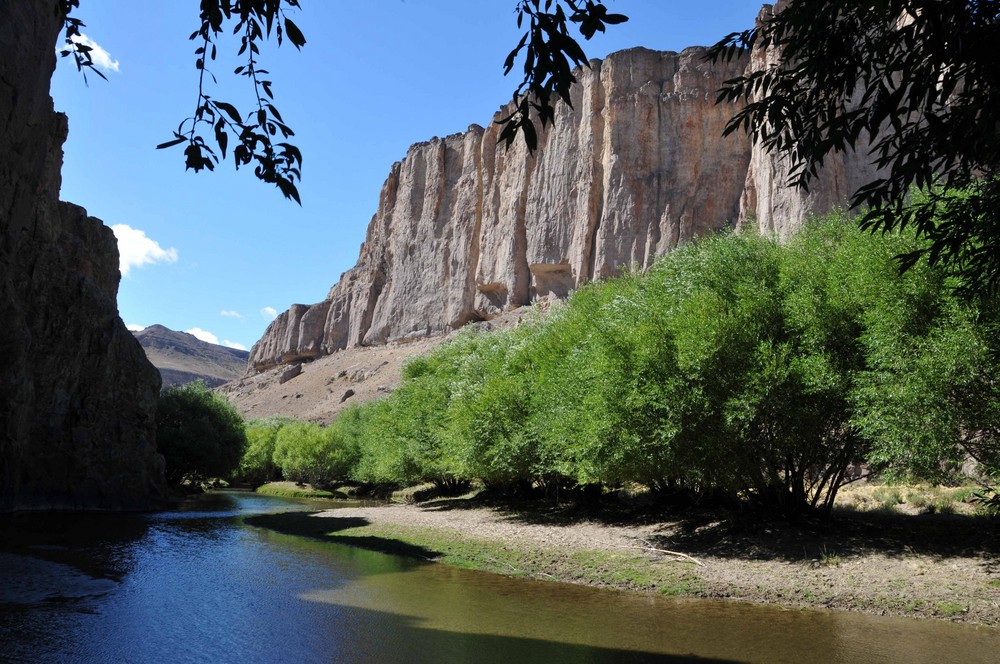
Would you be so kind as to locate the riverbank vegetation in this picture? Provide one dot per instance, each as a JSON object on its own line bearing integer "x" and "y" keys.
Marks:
{"x": 736, "y": 369}
{"x": 199, "y": 433}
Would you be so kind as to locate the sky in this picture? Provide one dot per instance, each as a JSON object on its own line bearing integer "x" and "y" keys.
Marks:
{"x": 220, "y": 254}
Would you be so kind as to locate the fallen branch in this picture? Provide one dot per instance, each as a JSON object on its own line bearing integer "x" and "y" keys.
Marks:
{"x": 502, "y": 562}
{"x": 677, "y": 554}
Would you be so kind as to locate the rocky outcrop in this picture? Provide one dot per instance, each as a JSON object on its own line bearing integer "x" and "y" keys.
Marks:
{"x": 768, "y": 202}
{"x": 466, "y": 229}
{"x": 77, "y": 396}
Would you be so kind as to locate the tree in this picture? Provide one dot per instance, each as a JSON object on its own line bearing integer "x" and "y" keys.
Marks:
{"x": 256, "y": 129}
{"x": 550, "y": 55}
{"x": 920, "y": 80}
{"x": 198, "y": 432}
{"x": 257, "y": 465}
{"x": 308, "y": 452}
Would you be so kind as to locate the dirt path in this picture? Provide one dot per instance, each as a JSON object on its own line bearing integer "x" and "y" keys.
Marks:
{"x": 890, "y": 565}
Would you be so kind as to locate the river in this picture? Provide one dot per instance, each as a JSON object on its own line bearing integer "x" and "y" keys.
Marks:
{"x": 200, "y": 585}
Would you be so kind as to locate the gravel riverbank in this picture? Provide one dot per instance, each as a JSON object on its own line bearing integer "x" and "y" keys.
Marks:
{"x": 932, "y": 566}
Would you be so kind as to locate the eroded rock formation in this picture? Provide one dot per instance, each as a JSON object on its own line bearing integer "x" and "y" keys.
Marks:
{"x": 466, "y": 229}
{"x": 768, "y": 203}
{"x": 77, "y": 396}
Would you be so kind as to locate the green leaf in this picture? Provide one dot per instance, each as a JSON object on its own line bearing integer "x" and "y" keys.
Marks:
{"x": 530, "y": 137}
{"x": 222, "y": 138}
{"x": 230, "y": 110}
{"x": 288, "y": 189}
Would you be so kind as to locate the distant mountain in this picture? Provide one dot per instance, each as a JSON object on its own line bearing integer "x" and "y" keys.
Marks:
{"x": 183, "y": 358}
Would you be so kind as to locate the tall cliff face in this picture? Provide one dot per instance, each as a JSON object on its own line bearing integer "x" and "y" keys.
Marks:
{"x": 77, "y": 397}
{"x": 466, "y": 229}
{"x": 768, "y": 203}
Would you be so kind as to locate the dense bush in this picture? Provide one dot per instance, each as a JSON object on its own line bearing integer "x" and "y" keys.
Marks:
{"x": 308, "y": 452}
{"x": 734, "y": 367}
{"x": 257, "y": 466}
{"x": 199, "y": 433}
{"x": 406, "y": 439}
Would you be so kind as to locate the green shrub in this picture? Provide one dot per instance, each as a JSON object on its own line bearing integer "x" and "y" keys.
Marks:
{"x": 489, "y": 410}
{"x": 929, "y": 393}
{"x": 734, "y": 366}
{"x": 888, "y": 497}
{"x": 199, "y": 433}
{"x": 257, "y": 466}
{"x": 308, "y": 452}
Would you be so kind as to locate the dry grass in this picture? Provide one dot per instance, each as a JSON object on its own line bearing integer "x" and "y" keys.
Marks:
{"x": 908, "y": 499}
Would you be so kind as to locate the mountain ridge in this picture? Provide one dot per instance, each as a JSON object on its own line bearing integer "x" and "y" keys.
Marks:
{"x": 182, "y": 358}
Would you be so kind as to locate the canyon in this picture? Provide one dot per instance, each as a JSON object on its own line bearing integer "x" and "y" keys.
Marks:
{"x": 466, "y": 229}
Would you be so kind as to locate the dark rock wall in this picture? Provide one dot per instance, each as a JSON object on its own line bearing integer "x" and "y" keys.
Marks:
{"x": 77, "y": 395}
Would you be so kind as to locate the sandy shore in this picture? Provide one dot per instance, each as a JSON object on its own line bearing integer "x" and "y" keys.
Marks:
{"x": 932, "y": 566}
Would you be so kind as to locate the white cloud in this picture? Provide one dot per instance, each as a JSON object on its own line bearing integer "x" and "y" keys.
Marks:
{"x": 135, "y": 328}
{"x": 204, "y": 335}
{"x": 136, "y": 249}
{"x": 100, "y": 57}
{"x": 231, "y": 313}
{"x": 269, "y": 313}
{"x": 232, "y": 344}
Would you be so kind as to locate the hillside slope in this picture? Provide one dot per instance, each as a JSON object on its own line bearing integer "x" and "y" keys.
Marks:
{"x": 317, "y": 390}
{"x": 183, "y": 358}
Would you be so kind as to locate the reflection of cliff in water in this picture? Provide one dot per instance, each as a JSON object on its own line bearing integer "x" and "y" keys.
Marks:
{"x": 97, "y": 544}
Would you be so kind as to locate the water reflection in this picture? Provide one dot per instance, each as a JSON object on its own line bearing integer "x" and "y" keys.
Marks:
{"x": 200, "y": 584}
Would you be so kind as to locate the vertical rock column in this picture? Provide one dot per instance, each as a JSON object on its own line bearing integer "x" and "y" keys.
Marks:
{"x": 77, "y": 395}
{"x": 768, "y": 202}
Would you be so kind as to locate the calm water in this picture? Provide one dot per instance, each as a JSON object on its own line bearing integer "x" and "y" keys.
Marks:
{"x": 199, "y": 585}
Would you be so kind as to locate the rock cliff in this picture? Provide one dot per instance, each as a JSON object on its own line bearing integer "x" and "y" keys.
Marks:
{"x": 77, "y": 396}
{"x": 771, "y": 206}
{"x": 466, "y": 229}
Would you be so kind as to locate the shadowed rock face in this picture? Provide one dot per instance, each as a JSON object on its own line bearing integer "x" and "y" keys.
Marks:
{"x": 466, "y": 229}
{"x": 77, "y": 396}
{"x": 767, "y": 202}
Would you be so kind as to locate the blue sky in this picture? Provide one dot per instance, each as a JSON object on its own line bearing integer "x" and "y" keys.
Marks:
{"x": 220, "y": 253}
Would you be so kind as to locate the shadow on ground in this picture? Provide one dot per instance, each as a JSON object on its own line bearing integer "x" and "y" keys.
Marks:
{"x": 727, "y": 534}
{"x": 307, "y": 524}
